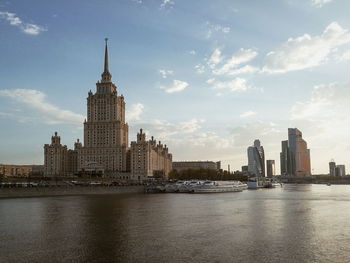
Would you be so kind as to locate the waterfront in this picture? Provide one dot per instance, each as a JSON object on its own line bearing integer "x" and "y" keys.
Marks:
{"x": 296, "y": 223}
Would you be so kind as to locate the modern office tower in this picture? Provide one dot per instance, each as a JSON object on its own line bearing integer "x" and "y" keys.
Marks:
{"x": 270, "y": 168}
{"x": 285, "y": 159}
{"x": 340, "y": 170}
{"x": 295, "y": 157}
{"x": 332, "y": 168}
{"x": 256, "y": 159}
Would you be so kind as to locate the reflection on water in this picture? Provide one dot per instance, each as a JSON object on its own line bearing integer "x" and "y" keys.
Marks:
{"x": 298, "y": 223}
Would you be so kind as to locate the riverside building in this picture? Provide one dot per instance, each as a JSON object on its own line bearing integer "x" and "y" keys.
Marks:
{"x": 256, "y": 159}
{"x": 184, "y": 165}
{"x": 106, "y": 150}
{"x": 270, "y": 168}
{"x": 295, "y": 156}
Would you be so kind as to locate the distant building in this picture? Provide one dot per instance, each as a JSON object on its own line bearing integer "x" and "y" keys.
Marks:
{"x": 256, "y": 159}
{"x": 332, "y": 168}
{"x": 340, "y": 170}
{"x": 184, "y": 165}
{"x": 15, "y": 170}
{"x": 295, "y": 157}
{"x": 270, "y": 168}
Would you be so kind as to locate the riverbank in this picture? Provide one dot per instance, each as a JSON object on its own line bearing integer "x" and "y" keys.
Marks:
{"x": 68, "y": 191}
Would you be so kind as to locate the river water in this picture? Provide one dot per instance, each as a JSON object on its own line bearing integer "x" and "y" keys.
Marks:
{"x": 296, "y": 223}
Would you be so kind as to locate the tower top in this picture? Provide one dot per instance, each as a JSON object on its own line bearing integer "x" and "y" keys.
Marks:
{"x": 106, "y": 75}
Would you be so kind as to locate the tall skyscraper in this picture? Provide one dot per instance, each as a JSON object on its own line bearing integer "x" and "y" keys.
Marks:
{"x": 295, "y": 157}
{"x": 106, "y": 149}
{"x": 340, "y": 170}
{"x": 270, "y": 168}
{"x": 105, "y": 130}
{"x": 256, "y": 159}
{"x": 332, "y": 168}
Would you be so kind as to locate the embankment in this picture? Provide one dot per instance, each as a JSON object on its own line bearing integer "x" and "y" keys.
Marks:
{"x": 68, "y": 191}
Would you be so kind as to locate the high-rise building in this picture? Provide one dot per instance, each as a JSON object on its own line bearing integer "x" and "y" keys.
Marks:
{"x": 256, "y": 159}
{"x": 270, "y": 168}
{"x": 332, "y": 168}
{"x": 106, "y": 149}
{"x": 295, "y": 157}
{"x": 340, "y": 170}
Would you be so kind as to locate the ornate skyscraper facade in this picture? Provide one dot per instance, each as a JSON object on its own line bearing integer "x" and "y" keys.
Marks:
{"x": 106, "y": 148}
{"x": 105, "y": 130}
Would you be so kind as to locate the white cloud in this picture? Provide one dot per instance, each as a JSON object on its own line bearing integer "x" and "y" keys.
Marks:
{"x": 165, "y": 73}
{"x": 200, "y": 68}
{"x": 162, "y": 129}
{"x": 36, "y": 100}
{"x": 343, "y": 57}
{"x": 211, "y": 28}
{"x": 134, "y": 113}
{"x": 27, "y": 28}
{"x": 235, "y": 85}
{"x": 247, "y": 69}
{"x": 240, "y": 57}
{"x": 306, "y": 51}
{"x": 215, "y": 58}
{"x": 176, "y": 86}
{"x": 320, "y": 3}
{"x": 247, "y": 114}
{"x": 166, "y": 3}
{"x": 192, "y": 52}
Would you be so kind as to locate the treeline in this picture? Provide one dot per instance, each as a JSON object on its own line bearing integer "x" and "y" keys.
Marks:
{"x": 205, "y": 174}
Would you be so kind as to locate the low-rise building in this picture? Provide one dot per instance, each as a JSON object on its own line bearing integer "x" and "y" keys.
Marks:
{"x": 184, "y": 165}
{"x": 15, "y": 170}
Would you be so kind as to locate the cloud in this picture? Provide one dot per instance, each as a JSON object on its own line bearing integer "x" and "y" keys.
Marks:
{"x": 165, "y": 73}
{"x": 36, "y": 100}
{"x": 27, "y": 28}
{"x": 215, "y": 58}
{"x": 192, "y": 52}
{"x": 162, "y": 129}
{"x": 166, "y": 3}
{"x": 176, "y": 86}
{"x": 200, "y": 68}
{"x": 134, "y": 113}
{"x": 320, "y": 3}
{"x": 343, "y": 57}
{"x": 247, "y": 114}
{"x": 306, "y": 51}
{"x": 240, "y": 57}
{"x": 235, "y": 85}
{"x": 211, "y": 28}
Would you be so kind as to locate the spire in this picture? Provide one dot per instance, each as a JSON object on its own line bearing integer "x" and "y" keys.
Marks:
{"x": 106, "y": 76}
{"x": 106, "y": 57}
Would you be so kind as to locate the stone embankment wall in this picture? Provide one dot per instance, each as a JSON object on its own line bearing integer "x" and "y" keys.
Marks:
{"x": 68, "y": 190}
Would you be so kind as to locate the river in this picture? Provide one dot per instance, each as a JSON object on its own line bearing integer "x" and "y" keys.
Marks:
{"x": 296, "y": 223}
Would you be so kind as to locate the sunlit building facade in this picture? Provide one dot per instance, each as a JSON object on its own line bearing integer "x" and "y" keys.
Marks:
{"x": 295, "y": 156}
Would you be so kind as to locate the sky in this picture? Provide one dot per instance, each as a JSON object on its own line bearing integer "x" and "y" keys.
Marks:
{"x": 205, "y": 77}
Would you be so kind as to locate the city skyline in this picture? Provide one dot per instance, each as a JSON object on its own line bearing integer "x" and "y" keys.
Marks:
{"x": 206, "y": 79}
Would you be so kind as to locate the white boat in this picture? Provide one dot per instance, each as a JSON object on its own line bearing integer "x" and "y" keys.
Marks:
{"x": 262, "y": 182}
{"x": 173, "y": 188}
{"x": 255, "y": 183}
{"x": 216, "y": 187}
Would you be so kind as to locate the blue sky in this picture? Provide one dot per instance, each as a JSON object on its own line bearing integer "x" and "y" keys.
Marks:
{"x": 204, "y": 77}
